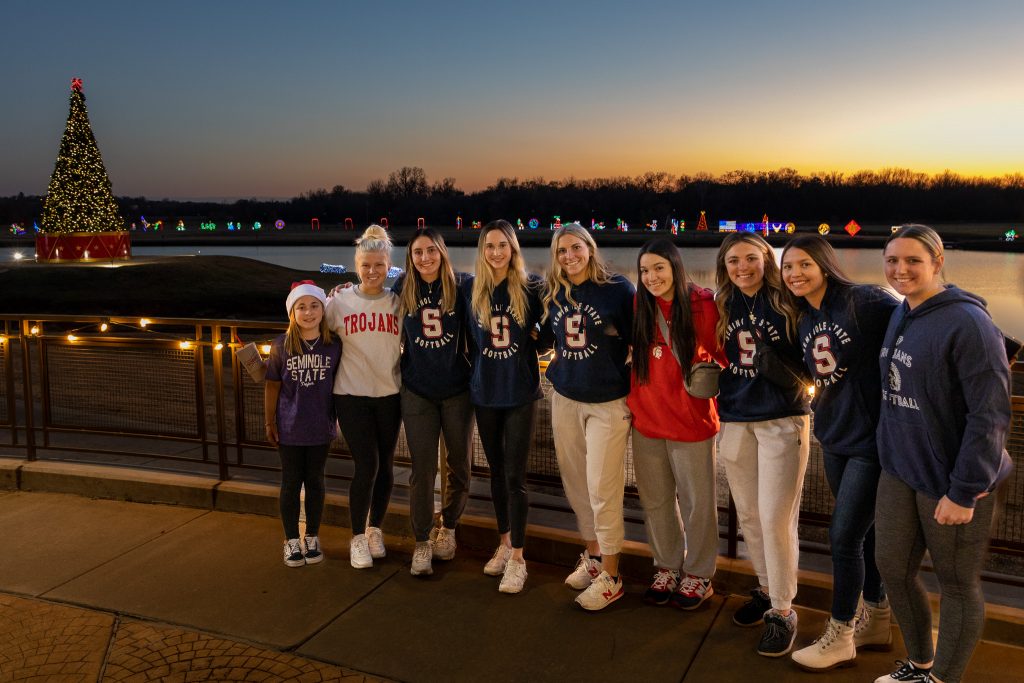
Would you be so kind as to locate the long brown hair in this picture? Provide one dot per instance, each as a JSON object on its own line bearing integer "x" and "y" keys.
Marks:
{"x": 822, "y": 253}
{"x": 484, "y": 282}
{"x": 445, "y": 273}
{"x": 772, "y": 282}
{"x": 645, "y": 321}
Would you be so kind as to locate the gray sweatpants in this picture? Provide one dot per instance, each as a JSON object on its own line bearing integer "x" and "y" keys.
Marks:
{"x": 676, "y": 481}
{"x": 904, "y": 528}
{"x": 425, "y": 420}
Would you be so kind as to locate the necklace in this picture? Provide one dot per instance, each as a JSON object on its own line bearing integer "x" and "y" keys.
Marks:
{"x": 753, "y": 318}
{"x": 309, "y": 345}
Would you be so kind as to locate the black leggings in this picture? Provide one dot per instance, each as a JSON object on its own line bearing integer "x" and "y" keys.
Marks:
{"x": 302, "y": 466}
{"x": 370, "y": 426}
{"x": 505, "y": 434}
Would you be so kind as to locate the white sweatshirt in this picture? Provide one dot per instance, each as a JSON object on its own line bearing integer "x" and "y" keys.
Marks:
{"x": 370, "y": 332}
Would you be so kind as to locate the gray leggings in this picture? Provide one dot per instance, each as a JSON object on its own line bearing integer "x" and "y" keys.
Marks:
{"x": 904, "y": 529}
{"x": 425, "y": 421}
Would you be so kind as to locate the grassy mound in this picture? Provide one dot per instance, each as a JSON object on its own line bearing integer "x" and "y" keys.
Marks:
{"x": 217, "y": 287}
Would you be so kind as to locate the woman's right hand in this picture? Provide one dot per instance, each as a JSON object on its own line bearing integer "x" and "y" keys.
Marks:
{"x": 271, "y": 432}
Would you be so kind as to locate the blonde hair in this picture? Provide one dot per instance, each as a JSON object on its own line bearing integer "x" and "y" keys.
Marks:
{"x": 374, "y": 239}
{"x": 597, "y": 269}
{"x": 772, "y": 283}
{"x": 445, "y": 273}
{"x": 484, "y": 282}
{"x": 293, "y": 336}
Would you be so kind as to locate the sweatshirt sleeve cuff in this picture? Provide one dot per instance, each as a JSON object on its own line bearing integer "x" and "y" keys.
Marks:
{"x": 962, "y": 496}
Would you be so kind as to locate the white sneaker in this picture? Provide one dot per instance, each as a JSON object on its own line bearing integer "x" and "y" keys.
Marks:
{"x": 444, "y": 543}
{"x": 871, "y": 629}
{"x": 603, "y": 591}
{"x": 514, "y": 577}
{"x": 293, "y": 553}
{"x": 421, "y": 556}
{"x": 587, "y": 569}
{"x": 832, "y": 649}
{"x": 375, "y": 539}
{"x": 359, "y": 552}
{"x": 496, "y": 565}
{"x": 313, "y": 553}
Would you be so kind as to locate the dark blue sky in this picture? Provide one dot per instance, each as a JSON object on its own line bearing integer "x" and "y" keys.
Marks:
{"x": 229, "y": 99}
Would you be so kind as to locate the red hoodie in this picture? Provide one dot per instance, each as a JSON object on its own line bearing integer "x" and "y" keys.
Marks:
{"x": 662, "y": 408}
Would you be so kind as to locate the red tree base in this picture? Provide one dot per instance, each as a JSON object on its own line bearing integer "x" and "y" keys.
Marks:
{"x": 77, "y": 247}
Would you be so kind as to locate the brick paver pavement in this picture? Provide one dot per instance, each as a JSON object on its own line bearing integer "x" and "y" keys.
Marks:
{"x": 42, "y": 641}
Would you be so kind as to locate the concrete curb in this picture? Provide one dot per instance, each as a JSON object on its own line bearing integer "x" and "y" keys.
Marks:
{"x": 545, "y": 544}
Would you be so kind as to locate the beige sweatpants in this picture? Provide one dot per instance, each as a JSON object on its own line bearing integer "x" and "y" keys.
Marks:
{"x": 590, "y": 444}
{"x": 765, "y": 464}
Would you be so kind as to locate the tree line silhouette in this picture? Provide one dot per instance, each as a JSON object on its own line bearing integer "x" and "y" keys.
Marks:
{"x": 884, "y": 196}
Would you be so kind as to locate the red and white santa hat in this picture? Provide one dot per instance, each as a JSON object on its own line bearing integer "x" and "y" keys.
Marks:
{"x": 305, "y": 288}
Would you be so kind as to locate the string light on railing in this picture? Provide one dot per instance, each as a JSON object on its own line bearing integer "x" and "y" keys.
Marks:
{"x": 218, "y": 346}
{"x": 72, "y": 338}
{"x": 810, "y": 390}
{"x": 265, "y": 348}
{"x": 144, "y": 321}
{"x": 34, "y": 330}
{"x": 3, "y": 338}
{"x": 104, "y": 327}
{"x": 185, "y": 345}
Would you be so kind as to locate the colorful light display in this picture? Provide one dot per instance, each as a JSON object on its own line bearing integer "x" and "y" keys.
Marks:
{"x": 279, "y": 224}
{"x": 702, "y": 224}
{"x": 852, "y": 228}
{"x": 314, "y": 224}
{"x": 823, "y": 229}
{"x": 533, "y": 223}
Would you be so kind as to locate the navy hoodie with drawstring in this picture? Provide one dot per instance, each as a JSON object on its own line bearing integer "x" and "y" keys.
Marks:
{"x": 841, "y": 340}
{"x": 945, "y": 398}
{"x": 745, "y": 396}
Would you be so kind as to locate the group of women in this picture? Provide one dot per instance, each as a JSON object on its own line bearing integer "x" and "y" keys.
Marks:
{"x": 911, "y": 410}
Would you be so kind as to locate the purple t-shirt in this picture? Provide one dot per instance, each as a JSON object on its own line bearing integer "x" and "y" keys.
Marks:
{"x": 305, "y": 416}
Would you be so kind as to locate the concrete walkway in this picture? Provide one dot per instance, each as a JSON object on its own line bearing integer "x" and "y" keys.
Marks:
{"x": 95, "y": 590}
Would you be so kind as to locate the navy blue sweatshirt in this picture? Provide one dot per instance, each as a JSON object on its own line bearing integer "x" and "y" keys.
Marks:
{"x": 841, "y": 341}
{"x": 744, "y": 396}
{"x": 505, "y": 371}
{"x": 435, "y": 364}
{"x": 591, "y": 341}
{"x": 945, "y": 398}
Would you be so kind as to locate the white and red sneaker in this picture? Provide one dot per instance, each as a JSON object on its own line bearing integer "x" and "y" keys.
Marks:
{"x": 603, "y": 591}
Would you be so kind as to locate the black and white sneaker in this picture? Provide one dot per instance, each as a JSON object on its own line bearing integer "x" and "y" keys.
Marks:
{"x": 779, "y": 634}
{"x": 293, "y": 553}
{"x": 907, "y": 672}
{"x": 751, "y": 613}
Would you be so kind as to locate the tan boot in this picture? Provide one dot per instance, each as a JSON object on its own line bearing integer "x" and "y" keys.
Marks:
{"x": 833, "y": 649}
{"x": 872, "y": 627}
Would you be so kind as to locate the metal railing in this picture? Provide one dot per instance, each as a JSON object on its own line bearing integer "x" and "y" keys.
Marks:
{"x": 135, "y": 392}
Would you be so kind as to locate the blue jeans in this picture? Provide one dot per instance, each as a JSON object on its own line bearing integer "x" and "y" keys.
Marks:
{"x": 854, "y": 484}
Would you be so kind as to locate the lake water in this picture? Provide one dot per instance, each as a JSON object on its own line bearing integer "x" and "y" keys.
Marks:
{"x": 998, "y": 277}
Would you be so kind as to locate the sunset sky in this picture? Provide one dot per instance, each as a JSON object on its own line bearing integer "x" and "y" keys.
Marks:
{"x": 256, "y": 99}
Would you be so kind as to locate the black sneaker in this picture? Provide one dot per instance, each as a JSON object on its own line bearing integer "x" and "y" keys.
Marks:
{"x": 662, "y": 587}
{"x": 751, "y": 613}
{"x": 907, "y": 672}
{"x": 779, "y": 634}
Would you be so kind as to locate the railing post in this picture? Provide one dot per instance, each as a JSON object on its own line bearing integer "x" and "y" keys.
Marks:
{"x": 442, "y": 467}
{"x": 732, "y": 535}
{"x": 28, "y": 402}
{"x": 218, "y": 394}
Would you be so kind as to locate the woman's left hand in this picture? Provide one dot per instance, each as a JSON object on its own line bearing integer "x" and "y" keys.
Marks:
{"x": 949, "y": 513}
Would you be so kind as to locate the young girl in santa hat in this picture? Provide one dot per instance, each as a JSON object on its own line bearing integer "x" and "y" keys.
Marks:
{"x": 299, "y": 415}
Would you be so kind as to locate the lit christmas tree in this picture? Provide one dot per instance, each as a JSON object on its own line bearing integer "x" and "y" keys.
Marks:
{"x": 80, "y": 198}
